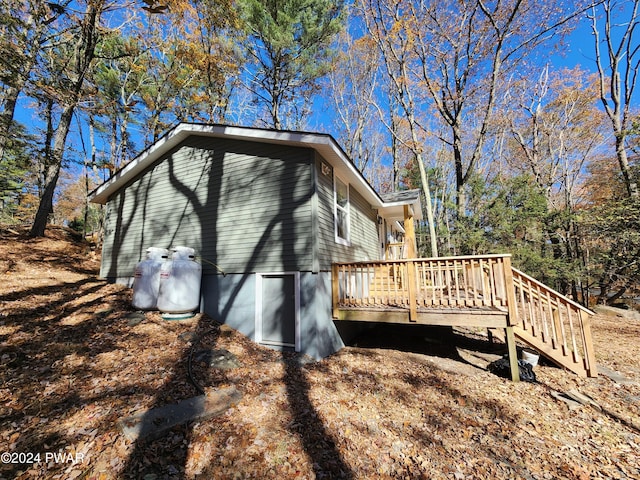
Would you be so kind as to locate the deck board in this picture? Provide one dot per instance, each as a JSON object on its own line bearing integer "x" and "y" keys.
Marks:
{"x": 456, "y": 317}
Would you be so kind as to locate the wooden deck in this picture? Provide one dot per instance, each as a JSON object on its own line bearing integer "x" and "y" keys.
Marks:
{"x": 482, "y": 291}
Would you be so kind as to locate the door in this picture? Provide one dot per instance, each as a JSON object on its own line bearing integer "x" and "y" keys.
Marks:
{"x": 278, "y": 309}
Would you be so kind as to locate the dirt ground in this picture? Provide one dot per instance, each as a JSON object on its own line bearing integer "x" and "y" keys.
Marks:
{"x": 75, "y": 359}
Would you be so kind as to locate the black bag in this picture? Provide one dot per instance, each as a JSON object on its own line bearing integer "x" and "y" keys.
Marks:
{"x": 502, "y": 369}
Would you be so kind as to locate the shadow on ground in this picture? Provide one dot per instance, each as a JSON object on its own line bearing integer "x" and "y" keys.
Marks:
{"x": 435, "y": 341}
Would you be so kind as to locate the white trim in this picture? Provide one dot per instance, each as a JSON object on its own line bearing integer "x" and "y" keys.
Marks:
{"x": 339, "y": 239}
{"x": 259, "y": 303}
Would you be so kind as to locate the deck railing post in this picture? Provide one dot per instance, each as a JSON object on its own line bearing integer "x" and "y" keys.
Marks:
{"x": 510, "y": 290}
{"x": 410, "y": 233}
{"x": 412, "y": 286}
{"x": 587, "y": 341}
{"x": 512, "y": 319}
{"x": 513, "y": 353}
{"x": 335, "y": 290}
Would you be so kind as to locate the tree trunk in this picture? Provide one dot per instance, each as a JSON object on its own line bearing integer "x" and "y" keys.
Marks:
{"x": 423, "y": 175}
{"x": 52, "y": 173}
{"x": 630, "y": 181}
{"x": 427, "y": 194}
{"x": 616, "y": 296}
{"x": 6, "y": 117}
{"x": 461, "y": 198}
{"x": 84, "y": 54}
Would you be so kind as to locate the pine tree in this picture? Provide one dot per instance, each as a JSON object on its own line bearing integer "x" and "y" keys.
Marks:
{"x": 289, "y": 49}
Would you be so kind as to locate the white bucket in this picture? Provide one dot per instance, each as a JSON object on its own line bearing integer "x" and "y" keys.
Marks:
{"x": 530, "y": 357}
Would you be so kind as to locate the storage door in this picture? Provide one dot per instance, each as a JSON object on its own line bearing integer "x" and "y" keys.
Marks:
{"x": 278, "y": 306}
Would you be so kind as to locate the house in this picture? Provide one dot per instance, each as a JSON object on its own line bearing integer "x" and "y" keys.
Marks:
{"x": 268, "y": 213}
{"x": 299, "y": 252}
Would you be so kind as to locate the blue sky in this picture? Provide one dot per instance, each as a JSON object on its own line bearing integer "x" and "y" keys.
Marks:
{"x": 580, "y": 51}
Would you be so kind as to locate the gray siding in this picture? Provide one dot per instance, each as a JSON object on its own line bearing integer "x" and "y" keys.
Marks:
{"x": 363, "y": 226}
{"x": 243, "y": 206}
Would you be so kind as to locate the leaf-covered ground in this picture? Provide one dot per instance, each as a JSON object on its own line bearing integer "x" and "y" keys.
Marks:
{"x": 74, "y": 360}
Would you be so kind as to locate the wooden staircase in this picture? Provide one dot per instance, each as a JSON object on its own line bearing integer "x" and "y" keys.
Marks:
{"x": 554, "y": 325}
{"x": 472, "y": 290}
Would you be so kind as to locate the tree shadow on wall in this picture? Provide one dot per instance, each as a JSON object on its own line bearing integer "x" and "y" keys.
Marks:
{"x": 278, "y": 228}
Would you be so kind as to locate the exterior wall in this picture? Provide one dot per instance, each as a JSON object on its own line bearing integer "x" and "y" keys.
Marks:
{"x": 363, "y": 225}
{"x": 243, "y": 206}
{"x": 232, "y": 299}
{"x": 247, "y": 208}
{"x": 319, "y": 335}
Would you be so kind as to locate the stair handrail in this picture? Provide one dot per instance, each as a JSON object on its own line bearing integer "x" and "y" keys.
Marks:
{"x": 557, "y": 294}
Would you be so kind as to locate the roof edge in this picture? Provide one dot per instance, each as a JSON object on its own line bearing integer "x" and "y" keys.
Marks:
{"x": 322, "y": 143}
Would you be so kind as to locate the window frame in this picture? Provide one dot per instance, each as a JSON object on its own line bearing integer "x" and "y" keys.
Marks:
{"x": 346, "y": 210}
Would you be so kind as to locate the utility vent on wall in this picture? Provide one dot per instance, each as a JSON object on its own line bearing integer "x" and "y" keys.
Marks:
{"x": 326, "y": 169}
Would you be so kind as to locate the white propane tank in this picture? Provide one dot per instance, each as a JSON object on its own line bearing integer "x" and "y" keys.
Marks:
{"x": 146, "y": 282}
{"x": 180, "y": 282}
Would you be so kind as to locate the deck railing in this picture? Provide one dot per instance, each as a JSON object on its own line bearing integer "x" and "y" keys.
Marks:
{"x": 542, "y": 317}
{"x": 394, "y": 251}
{"x": 446, "y": 282}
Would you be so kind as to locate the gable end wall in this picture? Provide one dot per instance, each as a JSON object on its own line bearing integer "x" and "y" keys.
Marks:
{"x": 243, "y": 206}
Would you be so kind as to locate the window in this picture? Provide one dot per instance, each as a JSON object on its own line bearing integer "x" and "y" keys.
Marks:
{"x": 341, "y": 214}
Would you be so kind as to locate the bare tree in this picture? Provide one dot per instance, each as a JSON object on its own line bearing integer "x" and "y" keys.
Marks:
{"x": 464, "y": 50}
{"x": 618, "y": 59}
{"x": 353, "y": 84}
{"x": 555, "y": 128}
{"x": 381, "y": 20}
